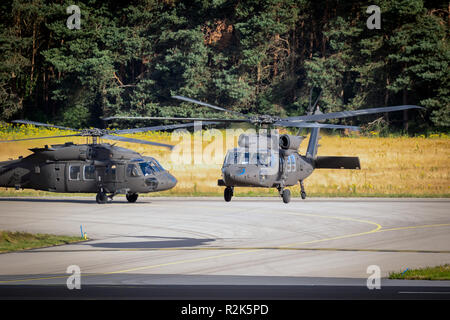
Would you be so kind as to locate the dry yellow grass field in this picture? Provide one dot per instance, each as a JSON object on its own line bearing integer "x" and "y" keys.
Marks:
{"x": 391, "y": 167}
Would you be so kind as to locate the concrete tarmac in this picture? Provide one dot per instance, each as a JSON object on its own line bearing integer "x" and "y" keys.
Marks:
{"x": 245, "y": 243}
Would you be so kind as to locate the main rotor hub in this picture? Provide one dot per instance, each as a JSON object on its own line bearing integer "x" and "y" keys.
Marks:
{"x": 93, "y": 132}
{"x": 263, "y": 119}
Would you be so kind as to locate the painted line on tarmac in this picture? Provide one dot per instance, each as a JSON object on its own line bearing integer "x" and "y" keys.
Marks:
{"x": 132, "y": 269}
{"x": 242, "y": 248}
{"x": 423, "y": 292}
{"x": 249, "y": 250}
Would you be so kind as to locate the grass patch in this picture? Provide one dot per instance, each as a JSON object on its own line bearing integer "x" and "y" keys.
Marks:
{"x": 428, "y": 273}
{"x": 15, "y": 241}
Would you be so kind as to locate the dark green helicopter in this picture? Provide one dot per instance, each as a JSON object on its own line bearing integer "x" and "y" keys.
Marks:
{"x": 271, "y": 161}
{"x": 100, "y": 168}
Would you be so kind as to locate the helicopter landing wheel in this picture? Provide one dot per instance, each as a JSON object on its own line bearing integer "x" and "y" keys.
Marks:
{"x": 132, "y": 197}
{"x": 101, "y": 198}
{"x": 302, "y": 187}
{"x": 286, "y": 195}
{"x": 228, "y": 194}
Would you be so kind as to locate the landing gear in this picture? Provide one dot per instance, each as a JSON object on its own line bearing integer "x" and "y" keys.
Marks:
{"x": 285, "y": 194}
{"x": 303, "y": 193}
{"x": 132, "y": 197}
{"x": 228, "y": 193}
{"x": 101, "y": 197}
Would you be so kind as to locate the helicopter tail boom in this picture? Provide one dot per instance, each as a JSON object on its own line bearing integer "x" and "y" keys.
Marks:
{"x": 333, "y": 162}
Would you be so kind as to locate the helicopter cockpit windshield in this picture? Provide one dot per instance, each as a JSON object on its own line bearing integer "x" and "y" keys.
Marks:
{"x": 262, "y": 158}
{"x": 151, "y": 167}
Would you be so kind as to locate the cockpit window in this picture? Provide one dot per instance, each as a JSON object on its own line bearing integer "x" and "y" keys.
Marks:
{"x": 154, "y": 166}
{"x": 150, "y": 167}
{"x": 261, "y": 158}
{"x": 158, "y": 164}
{"x": 133, "y": 171}
{"x": 146, "y": 168}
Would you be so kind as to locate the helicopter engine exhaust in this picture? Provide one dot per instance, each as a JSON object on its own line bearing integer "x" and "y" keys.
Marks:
{"x": 290, "y": 142}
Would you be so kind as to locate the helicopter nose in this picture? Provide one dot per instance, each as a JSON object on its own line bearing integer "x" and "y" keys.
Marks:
{"x": 166, "y": 182}
{"x": 236, "y": 175}
{"x": 173, "y": 181}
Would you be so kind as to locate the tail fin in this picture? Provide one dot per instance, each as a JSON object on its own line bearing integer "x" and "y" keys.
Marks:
{"x": 313, "y": 144}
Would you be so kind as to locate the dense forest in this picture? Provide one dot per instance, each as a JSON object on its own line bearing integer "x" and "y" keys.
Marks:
{"x": 129, "y": 57}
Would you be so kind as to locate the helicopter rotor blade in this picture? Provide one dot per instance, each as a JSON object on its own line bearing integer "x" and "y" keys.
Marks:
{"x": 173, "y": 119}
{"x": 207, "y": 105}
{"x": 315, "y": 125}
{"x": 51, "y": 137}
{"x": 315, "y": 103}
{"x": 310, "y": 99}
{"x": 353, "y": 113}
{"x": 159, "y": 128}
{"x": 40, "y": 124}
{"x": 132, "y": 140}
{"x": 310, "y": 105}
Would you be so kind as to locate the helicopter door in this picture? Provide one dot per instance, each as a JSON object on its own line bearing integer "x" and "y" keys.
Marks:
{"x": 60, "y": 179}
{"x": 120, "y": 173}
{"x": 114, "y": 177}
{"x": 110, "y": 174}
{"x": 74, "y": 172}
{"x": 89, "y": 176}
{"x": 291, "y": 168}
{"x": 120, "y": 177}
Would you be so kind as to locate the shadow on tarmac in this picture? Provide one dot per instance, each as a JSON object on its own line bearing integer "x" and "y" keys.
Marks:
{"x": 69, "y": 200}
{"x": 156, "y": 242}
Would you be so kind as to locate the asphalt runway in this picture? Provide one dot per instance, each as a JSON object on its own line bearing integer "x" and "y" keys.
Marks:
{"x": 250, "y": 248}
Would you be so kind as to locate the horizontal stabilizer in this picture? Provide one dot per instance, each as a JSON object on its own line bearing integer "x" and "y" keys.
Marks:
{"x": 337, "y": 163}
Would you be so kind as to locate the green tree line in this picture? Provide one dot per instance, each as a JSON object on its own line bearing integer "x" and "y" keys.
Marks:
{"x": 129, "y": 57}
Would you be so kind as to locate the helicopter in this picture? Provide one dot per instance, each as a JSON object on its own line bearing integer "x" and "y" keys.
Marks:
{"x": 272, "y": 161}
{"x": 101, "y": 168}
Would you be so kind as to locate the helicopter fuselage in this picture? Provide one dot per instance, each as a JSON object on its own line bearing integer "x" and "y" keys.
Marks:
{"x": 276, "y": 167}
{"x": 86, "y": 169}
{"x": 279, "y": 171}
